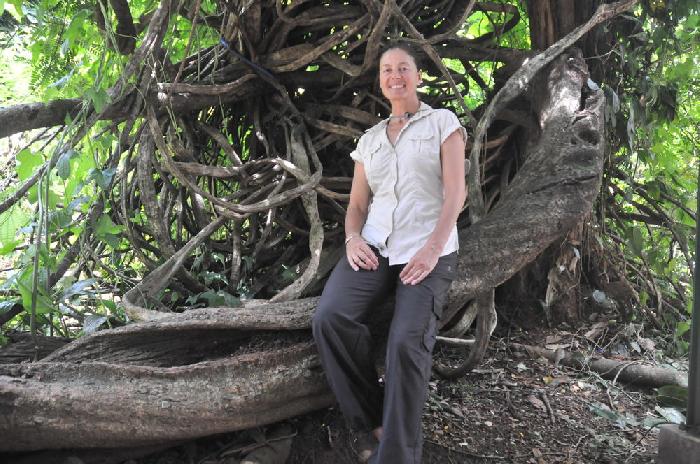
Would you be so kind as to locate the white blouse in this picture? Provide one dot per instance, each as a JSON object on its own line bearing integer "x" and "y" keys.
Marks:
{"x": 406, "y": 183}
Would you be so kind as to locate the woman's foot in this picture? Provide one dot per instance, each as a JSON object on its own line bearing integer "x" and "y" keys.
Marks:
{"x": 366, "y": 443}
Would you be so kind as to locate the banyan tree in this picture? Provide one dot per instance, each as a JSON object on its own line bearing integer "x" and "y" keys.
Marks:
{"x": 226, "y": 178}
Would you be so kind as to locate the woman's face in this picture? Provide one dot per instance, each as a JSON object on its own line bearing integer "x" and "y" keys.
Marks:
{"x": 398, "y": 75}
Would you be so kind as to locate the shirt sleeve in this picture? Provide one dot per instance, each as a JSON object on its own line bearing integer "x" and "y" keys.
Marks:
{"x": 448, "y": 124}
{"x": 356, "y": 155}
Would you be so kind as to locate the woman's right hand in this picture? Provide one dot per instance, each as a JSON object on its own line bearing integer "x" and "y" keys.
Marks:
{"x": 360, "y": 255}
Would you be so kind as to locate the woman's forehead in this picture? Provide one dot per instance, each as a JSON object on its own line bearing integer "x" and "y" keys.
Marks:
{"x": 395, "y": 56}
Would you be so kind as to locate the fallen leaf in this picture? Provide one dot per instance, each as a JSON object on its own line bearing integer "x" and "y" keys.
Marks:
{"x": 556, "y": 346}
{"x": 646, "y": 344}
{"x": 596, "y": 330}
{"x": 536, "y": 402}
{"x": 670, "y": 414}
{"x": 554, "y": 381}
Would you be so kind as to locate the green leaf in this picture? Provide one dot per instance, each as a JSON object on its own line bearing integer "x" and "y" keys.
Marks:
{"x": 670, "y": 414}
{"x": 93, "y": 322}
{"x": 2, "y": 7}
{"x": 14, "y": 8}
{"x": 63, "y": 164}
{"x": 651, "y": 422}
{"x": 27, "y": 162}
{"x": 81, "y": 169}
{"x": 210, "y": 277}
{"x": 7, "y": 305}
{"x": 10, "y": 222}
{"x": 620, "y": 420}
{"x": 682, "y": 328}
{"x": 103, "y": 177}
{"x": 220, "y": 298}
{"x": 33, "y": 196}
{"x": 636, "y": 240}
{"x": 24, "y": 285}
{"x": 109, "y": 304}
{"x": 673, "y": 395}
{"x": 9, "y": 247}
{"x": 99, "y": 98}
{"x": 78, "y": 288}
{"x": 112, "y": 240}
{"x": 105, "y": 226}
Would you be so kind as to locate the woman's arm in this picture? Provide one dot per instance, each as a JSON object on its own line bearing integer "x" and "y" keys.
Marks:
{"x": 358, "y": 253}
{"x": 425, "y": 259}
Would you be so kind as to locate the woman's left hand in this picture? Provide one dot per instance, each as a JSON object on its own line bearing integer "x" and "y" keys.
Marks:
{"x": 420, "y": 265}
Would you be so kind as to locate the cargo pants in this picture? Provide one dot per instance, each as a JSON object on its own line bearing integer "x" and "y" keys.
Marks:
{"x": 346, "y": 350}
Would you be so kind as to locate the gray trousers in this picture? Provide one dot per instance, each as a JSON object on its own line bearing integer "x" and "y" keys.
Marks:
{"x": 346, "y": 351}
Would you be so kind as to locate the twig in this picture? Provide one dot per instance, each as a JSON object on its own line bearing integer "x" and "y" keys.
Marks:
{"x": 467, "y": 453}
{"x": 545, "y": 398}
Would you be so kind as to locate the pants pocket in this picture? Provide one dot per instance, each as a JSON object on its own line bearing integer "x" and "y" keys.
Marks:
{"x": 431, "y": 329}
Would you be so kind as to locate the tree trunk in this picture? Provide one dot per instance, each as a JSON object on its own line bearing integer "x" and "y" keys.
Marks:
{"x": 215, "y": 370}
{"x": 550, "y": 20}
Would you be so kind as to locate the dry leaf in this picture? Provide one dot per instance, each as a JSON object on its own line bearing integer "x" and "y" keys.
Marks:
{"x": 596, "y": 329}
{"x": 536, "y": 402}
{"x": 555, "y": 346}
{"x": 646, "y": 344}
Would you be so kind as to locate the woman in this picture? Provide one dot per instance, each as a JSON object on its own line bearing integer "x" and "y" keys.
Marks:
{"x": 407, "y": 190}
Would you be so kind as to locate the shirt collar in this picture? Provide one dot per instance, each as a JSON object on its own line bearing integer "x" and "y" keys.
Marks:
{"x": 423, "y": 110}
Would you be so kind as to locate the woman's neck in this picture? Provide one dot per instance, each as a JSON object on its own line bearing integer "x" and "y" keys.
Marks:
{"x": 401, "y": 107}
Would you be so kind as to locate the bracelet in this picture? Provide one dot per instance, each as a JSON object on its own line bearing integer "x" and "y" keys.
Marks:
{"x": 350, "y": 237}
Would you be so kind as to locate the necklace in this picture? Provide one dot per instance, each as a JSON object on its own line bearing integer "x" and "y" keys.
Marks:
{"x": 403, "y": 117}
{"x": 407, "y": 115}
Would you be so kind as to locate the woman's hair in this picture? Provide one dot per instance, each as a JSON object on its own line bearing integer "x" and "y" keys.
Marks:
{"x": 406, "y": 47}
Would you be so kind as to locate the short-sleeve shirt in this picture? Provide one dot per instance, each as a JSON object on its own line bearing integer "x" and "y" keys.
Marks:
{"x": 406, "y": 183}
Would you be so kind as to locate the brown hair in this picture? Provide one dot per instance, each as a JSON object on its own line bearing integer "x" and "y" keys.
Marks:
{"x": 406, "y": 47}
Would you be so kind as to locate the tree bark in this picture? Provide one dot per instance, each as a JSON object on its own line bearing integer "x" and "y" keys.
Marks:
{"x": 209, "y": 371}
{"x": 631, "y": 371}
{"x": 214, "y": 370}
{"x": 153, "y": 374}
{"x": 552, "y": 191}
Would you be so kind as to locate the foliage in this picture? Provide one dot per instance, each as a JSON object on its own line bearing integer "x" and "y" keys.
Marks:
{"x": 649, "y": 204}
{"x": 53, "y": 49}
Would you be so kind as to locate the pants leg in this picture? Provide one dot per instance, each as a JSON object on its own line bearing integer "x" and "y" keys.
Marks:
{"x": 409, "y": 362}
{"x": 344, "y": 343}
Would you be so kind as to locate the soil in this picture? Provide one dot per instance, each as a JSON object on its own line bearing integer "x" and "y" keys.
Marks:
{"x": 512, "y": 409}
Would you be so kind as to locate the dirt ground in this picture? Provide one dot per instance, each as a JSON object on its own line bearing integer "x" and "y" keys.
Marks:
{"x": 512, "y": 409}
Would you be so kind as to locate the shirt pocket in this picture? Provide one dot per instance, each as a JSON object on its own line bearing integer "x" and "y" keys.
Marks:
{"x": 378, "y": 167}
{"x": 425, "y": 144}
{"x": 423, "y": 160}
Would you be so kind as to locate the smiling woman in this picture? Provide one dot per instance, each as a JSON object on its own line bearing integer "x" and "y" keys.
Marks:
{"x": 401, "y": 238}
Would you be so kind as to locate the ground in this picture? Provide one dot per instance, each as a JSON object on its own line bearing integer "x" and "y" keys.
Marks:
{"x": 512, "y": 409}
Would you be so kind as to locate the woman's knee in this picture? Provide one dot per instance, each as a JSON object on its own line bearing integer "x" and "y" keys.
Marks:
{"x": 325, "y": 316}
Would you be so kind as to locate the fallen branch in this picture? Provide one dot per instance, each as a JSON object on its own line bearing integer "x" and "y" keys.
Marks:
{"x": 630, "y": 372}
